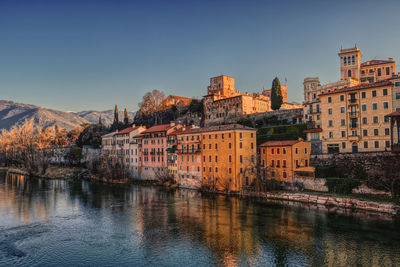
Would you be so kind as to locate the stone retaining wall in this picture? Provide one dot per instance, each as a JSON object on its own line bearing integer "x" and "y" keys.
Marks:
{"x": 346, "y": 203}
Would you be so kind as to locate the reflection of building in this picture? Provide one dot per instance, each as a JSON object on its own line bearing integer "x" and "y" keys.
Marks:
{"x": 280, "y": 159}
{"x": 223, "y": 104}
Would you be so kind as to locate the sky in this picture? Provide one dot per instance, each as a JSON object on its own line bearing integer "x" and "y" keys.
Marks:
{"x": 90, "y": 55}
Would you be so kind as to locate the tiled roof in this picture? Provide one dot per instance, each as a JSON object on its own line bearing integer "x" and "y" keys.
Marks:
{"x": 157, "y": 128}
{"x": 109, "y": 135}
{"x": 280, "y": 143}
{"x": 128, "y": 130}
{"x": 185, "y": 130}
{"x": 358, "y": 87}
{"x": 226, "y": 127}
{"x": 376, "y": 62}
{"x": 393, "y": 114}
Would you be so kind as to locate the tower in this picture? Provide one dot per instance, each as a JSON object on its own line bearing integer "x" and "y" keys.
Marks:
{"x": 222, "y": 85}
{"x": 350, "y": 62}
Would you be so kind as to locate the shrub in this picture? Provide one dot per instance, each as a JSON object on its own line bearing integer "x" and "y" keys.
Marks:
{"x": 341, "y": 185}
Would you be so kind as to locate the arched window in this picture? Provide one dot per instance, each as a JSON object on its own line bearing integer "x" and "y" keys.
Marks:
{"x": 344, "y": 60}
{"x": 352, "y": 59}
{"x": 349, "y": 73}
{"x": 348, "y": 60}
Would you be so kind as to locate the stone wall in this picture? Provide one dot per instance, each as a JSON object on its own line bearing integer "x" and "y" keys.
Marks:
{"x": 284, "y": 114}
{"x": 328, "y": 201}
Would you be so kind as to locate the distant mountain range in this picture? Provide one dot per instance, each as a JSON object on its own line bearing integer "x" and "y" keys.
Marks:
{"x": 12, "y": 113}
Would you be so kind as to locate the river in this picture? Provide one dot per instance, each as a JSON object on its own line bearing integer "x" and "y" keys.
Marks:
{"x": 81, "y": 223}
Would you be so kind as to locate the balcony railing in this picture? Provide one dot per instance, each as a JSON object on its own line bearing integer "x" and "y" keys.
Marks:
{"x": 353, "y": 125}
{"x": 314, "y": 111}
{"x": 188, "y": 151}
{"x": 353, "y": 100}
{"x": 353, "y": 113}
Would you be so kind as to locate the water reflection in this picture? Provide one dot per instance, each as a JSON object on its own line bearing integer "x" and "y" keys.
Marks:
{"x": 121, "y": 225}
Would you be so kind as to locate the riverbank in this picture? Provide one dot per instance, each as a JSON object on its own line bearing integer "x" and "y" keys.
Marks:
{"x": 329, "y": 201}
{"x": 315, "y": 198}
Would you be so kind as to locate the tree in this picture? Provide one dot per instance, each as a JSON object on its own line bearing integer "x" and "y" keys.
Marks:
{"x": 100, "y": 121}
{"x": 276, "y": 94}
{"x": 196, "y": 106}
{"x": 56, "y": 135}
{"x": 91, "y": 136}
{"x": 116, "y": 119}
{"x": 126, "y": 117}
{"x": 152, "y": 102}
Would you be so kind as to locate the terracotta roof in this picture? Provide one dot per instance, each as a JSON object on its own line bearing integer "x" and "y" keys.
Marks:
{"x": 157, "y": 128}
{"x": 393, "y": 114}
{"x": 376, "y": 62}
{"x": 280, "y": 143}
{"x": 217, "y": 128}
{"x": 358, "y": 87}
{"x": 128, "y": 130}
{"x": 185, "y": 130}
{"x": 316, "y": 130}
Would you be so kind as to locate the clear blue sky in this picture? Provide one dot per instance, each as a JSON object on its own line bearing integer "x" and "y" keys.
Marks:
{"x": 82, "y": 55}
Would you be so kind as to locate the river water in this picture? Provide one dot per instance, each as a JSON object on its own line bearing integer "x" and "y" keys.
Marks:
{"x": 80, "y": 223}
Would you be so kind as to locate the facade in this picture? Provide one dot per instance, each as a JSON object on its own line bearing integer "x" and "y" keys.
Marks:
{"x": 224, "y": 105}
{"x": 353, "y": 118}
{"x": 178, "y": 101}
{"x": 280, "y": 160}
{"x": 154, "y": 151}
{"x": 228, "y": 156}
{"x": 136, "y": 156}
{"x": 189, "y": 157}
{"x": 353, "y": 73}
{"x": 108, "y": 144}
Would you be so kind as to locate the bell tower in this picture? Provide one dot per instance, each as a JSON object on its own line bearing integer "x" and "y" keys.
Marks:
{"x": 350, "y": 63}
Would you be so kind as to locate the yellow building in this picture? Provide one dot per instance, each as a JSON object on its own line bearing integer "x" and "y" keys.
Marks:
{"x": 280, "y": 159}
{"x": 228, "y": 156}
{"x": 353, "y": 118}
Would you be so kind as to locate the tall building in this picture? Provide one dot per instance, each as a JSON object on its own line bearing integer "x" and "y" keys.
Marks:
{"x": 353, "y": 73}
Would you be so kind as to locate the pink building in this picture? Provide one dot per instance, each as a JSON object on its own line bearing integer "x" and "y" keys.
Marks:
{"x": 154, "y": 151}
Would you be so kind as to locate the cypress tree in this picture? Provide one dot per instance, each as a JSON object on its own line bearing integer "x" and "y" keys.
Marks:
{"x": 126, "y": 117}
{"x": 276, "y": 94}
{"x": 100, "y": 121}
{"x": 116, "y": 119}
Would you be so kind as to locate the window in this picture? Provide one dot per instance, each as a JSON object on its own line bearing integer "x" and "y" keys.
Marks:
{"x": 272, "y": 151}
{"x": 209, "y": 146}
{"x": 204, "y": 158}
{"x": 284, "y": 174}
{"x": 297, "y": 151}
{"x": 374, "y": 106}
{"x": 216, "y": 170}
{"x": 387, "y": 143}
{"x": 365, "y": 144}
{"x": 209, "y": 158}
{"x": 216, "y": 146}
{"x": 363, "y": 95}
{"x": 306, "y": 163}
{"x": 374, "y": 93}
{"x": 343, "y": 134}
{"x": 284, "y": 151}
{"x": 252, "y": 145}
{"x": 216, "y": 136}
{"x": 365, "y": 132}
{"x": 297, "y": 163}
{"x": 352, "y": 59}
{"x": 376, "y": 132}
{"x": 305, "y": 150}
{"x": 278, "y": 151}
{"x": 230, "y": 145}
{"x": 222, "y": 136}
{"x": 278, "y": 163}
{"x": 385, "y": 92}
{"x": 240, "y": 145}
{"x": 284, "y": 163}
{"x": 230, "y": 158}
{"x": 397, "y": 84}
{"x": 349, "y": 73}
{"x": 341, "y": 97}
{"x": 341, "y": 109}
{"x": 330, "y": 123}
{"x": 240, "y": 135}
{"x": 376, "y": 144}
{"x": 216, "y": 158}
{"x": 385, "y": 105}
{"x": 330, "y": 134}
{"x": 397, "y": 95}
{"x": 343, "y": 122}
{"x": 365, "y": 121}
{"x": 330, "y": 111}
{"x": 364, "y": 107}
{"x": 272, "y": 163}
{"x": 379, "y": 72}
{"x": 229, "y": 135}
{"x": 344, "y": 60}
{"x": 343, "y": 145}
{"x": 241, "y": 159}
{"x": 376, "y": 120}
{"x": 387, "y": 71}
{"x": 230, "y": 170}
{"x": 329, "y": 99}
{"x": 386, "y": 119}
{"x": 387, "y": 131}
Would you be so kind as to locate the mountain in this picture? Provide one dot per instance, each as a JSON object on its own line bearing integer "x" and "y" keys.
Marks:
{"x": 107, "y": 116}
{"x": 12, "y": 113}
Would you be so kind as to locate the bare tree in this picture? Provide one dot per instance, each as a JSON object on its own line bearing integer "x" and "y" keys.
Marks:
{"x": 152, "y": 102}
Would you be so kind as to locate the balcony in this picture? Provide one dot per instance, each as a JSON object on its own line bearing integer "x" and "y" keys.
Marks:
{"x": 314, "y": 111}
{"x": 353, "y": 125}
{"x": 188, "y": 151}
{"x": 353, "y": 113}
{"x": 353, "y": 101}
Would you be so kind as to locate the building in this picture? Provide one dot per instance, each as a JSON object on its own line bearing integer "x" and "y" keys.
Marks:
{"x": 281, "y": 159}
{"x": 154, "y": 151}
{"x": 353, "y": 118}
{"x": 108, "y": 144}
{"x": 353, "y": 73}
{"x": 228, "y": 156}
{"x": 178, "y": 101}
{"x": 136, "y": 156}
{"x": 189, "y": 157}
{"x": 224, "y": 105}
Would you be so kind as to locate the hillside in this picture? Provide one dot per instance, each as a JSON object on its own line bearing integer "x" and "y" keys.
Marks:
{"x": 12, "y": 113}
{"x": 107, "y": 116}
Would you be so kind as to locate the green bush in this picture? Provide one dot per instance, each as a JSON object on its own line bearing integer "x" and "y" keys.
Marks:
{"x": 341, "y": 185}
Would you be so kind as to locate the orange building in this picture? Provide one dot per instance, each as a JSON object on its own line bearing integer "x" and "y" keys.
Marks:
{"x": 228, "y": 156}
{"x": 280, "y": 159}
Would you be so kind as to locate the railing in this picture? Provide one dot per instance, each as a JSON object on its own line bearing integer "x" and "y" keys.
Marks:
{"x": 314, "y": 111}
{"x": 353, "y": 125}
{"x": 353, "y": 100}
{"x": 188, "y": 151}
{"x": 353, "y": 113}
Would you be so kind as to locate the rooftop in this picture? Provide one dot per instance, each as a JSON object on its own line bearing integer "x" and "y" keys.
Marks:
{"x": 157, "y": 128}
{"x": 358, "y": 87}
{"x": 280, "y": 143}
{"x": 376, "y": 62}
{"x": 128, "y": 130}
